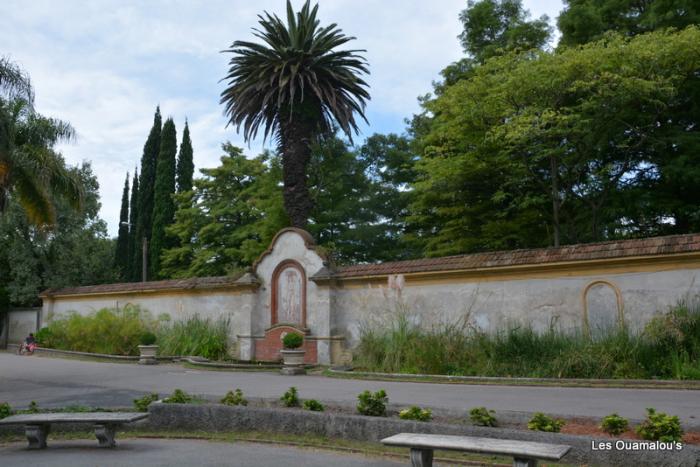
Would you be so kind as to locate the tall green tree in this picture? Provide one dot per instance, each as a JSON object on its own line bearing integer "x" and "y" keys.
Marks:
{"x": 229, "y": 217}
{"x": 147, "y": 181}
{"x": 31, "y": 171}
{"x": 76, "y": 251}
{"x": 584, "y": 21}
{"x": 558, "y": 148}
{"x": 121, "y": 259}
{"x": 492, "y": 27}
{"x": 163, "y": 204}
{"x": 296, "y": 86}
{"x": 185, "y": 163}
{"x": 133, "y": 274}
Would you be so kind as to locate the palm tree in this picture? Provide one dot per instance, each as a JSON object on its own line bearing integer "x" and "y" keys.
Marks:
{"x": 298, "y": 88}
{"x": 31, "y": 172}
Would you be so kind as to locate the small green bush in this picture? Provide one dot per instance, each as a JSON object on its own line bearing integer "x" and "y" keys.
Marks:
{"x": 33, "y": 407}
{"x": 234, "y": 398}
{"x": 204, "y": 337}
{"x": 373, "y": 405}
{"x": 292, "y": 340}
{"x": 178, "y": 397}
{"x": 614, "y": 425}
{"x": 5, "y": 410}
{"x": 661, "y": 427}
{"x": 290, "y": 398}
{"x": 142, "y": 403}
{"x": 43, "y": 337}
{"x": 147, "y": 338}
{"x": 416, "y": 413}
{"x": 482, "y": 416}
{"x": 313, "y": 405}
{"x": 542, "y": 422}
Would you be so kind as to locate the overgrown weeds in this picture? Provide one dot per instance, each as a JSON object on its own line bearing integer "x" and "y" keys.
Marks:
{"x": 668, "y": 347}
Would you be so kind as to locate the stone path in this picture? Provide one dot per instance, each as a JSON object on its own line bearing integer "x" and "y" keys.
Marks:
{"x": 181, "y": 452}
{"x": 55, "y": 382}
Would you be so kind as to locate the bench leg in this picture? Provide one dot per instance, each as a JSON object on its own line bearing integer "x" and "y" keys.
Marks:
{"x": 520, "y": 462}
{"x": 105, "y": 435}
{"x": 36, "y": 435}
{"x": 422, "y": 457}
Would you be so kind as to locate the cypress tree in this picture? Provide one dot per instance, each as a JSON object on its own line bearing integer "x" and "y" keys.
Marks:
{"x": 163, "y": 204}
{"x": 121, "y": 260}
{"x": 149, "y": 160}
{"x": 133, "y": 274}
{"x": 185, "y": 165}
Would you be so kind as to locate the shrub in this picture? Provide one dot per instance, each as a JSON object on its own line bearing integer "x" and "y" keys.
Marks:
{"x": 147, "y": 338}
{"x": 195, "y": 335}
{"x": 542, "y": 422}
{"x": 234, "y": 398}
{"x": 33, "y": 407}
{"x": 313, "y": 405}
{"x": 373, "y": 405}
{"x": 142, "y": 403}
{"x": 290, "y": 398}
{"x": 416, "y": 413}
{"x": 614, "y": 425}
{"x": 5, "y": 410}
{"x": 109, "y": 331}
{"x": 178, "y": 397}
{"x": 43, "y": 337}
{"x": 661, "y": 427}
{"x": 292, "y": 340}
{"x": 481, "y": 416}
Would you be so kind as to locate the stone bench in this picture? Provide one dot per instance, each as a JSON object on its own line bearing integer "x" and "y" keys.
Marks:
{"x": 37, "y": 426}
{"x": 524, "y": 453}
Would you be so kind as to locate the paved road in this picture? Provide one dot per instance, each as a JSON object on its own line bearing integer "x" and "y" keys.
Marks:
{"x": 160, "y": 452}
{"x": 54, "y": 382}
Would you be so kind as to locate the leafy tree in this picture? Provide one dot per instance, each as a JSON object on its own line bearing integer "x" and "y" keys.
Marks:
{"x": 163, "y": 204}
{"x": 229, "y": 217}
{"x": 185, "y": 164}
{"x": 133, "y": 274}
{"x": 492, "y": 27}
{"x": 121, "y": 259}
{"x": 75, "y": 252}
{"x": 31, "y": 172}
{"x": 577, "y": 133}
{"x": 584, "y": 21}
{"x": 147, "y": 181}
{"x": 296, "y": 86}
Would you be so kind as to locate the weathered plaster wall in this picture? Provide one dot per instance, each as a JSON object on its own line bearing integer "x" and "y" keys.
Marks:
{"x": 21, "y": 323}
{"x": 569, "y": 296}
{"x": 493, "y": 305}
{"x": 177, "y": 305}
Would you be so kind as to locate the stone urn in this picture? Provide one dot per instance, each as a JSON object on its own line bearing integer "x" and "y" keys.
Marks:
{"x": 292, "y": 354}
{"x": 147, "y": 354}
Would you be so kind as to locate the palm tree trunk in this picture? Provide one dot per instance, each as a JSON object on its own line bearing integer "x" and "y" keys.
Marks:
{"x": 295, "y": 146}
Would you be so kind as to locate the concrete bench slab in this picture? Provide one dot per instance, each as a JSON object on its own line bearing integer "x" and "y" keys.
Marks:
{"x": 524, "y": 453}
{"x": 37, "y": 426}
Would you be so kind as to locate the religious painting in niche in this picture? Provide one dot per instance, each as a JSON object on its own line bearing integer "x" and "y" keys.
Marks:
{"x": 602, "y": 309}
{"x": 289, "y": 295}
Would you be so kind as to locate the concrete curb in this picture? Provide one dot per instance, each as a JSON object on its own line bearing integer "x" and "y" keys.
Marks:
{"x": 580, "y": 382}
{"x": 216, "y": 417}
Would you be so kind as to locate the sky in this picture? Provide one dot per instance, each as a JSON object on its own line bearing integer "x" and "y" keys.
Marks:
{"x": 105, "y": 65}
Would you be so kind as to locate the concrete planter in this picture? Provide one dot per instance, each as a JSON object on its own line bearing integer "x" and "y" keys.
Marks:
{"x": 148, "y": 354}
{"x": 293, "y": 362}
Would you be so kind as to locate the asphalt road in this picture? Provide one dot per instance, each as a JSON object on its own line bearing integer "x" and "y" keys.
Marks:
{"x": 181, "y": 452}
{"x": 56, "y": 382}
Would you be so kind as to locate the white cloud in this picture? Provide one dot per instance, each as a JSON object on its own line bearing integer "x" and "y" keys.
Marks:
{"x": 104, "y": 66}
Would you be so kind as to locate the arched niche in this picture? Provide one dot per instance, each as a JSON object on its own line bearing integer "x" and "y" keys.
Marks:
{"x": 603, "y": 309}
{"x": 288, "y": 294}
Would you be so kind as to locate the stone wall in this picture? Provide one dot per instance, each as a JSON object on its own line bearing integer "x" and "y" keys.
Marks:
{"x": 586, "y": 288}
